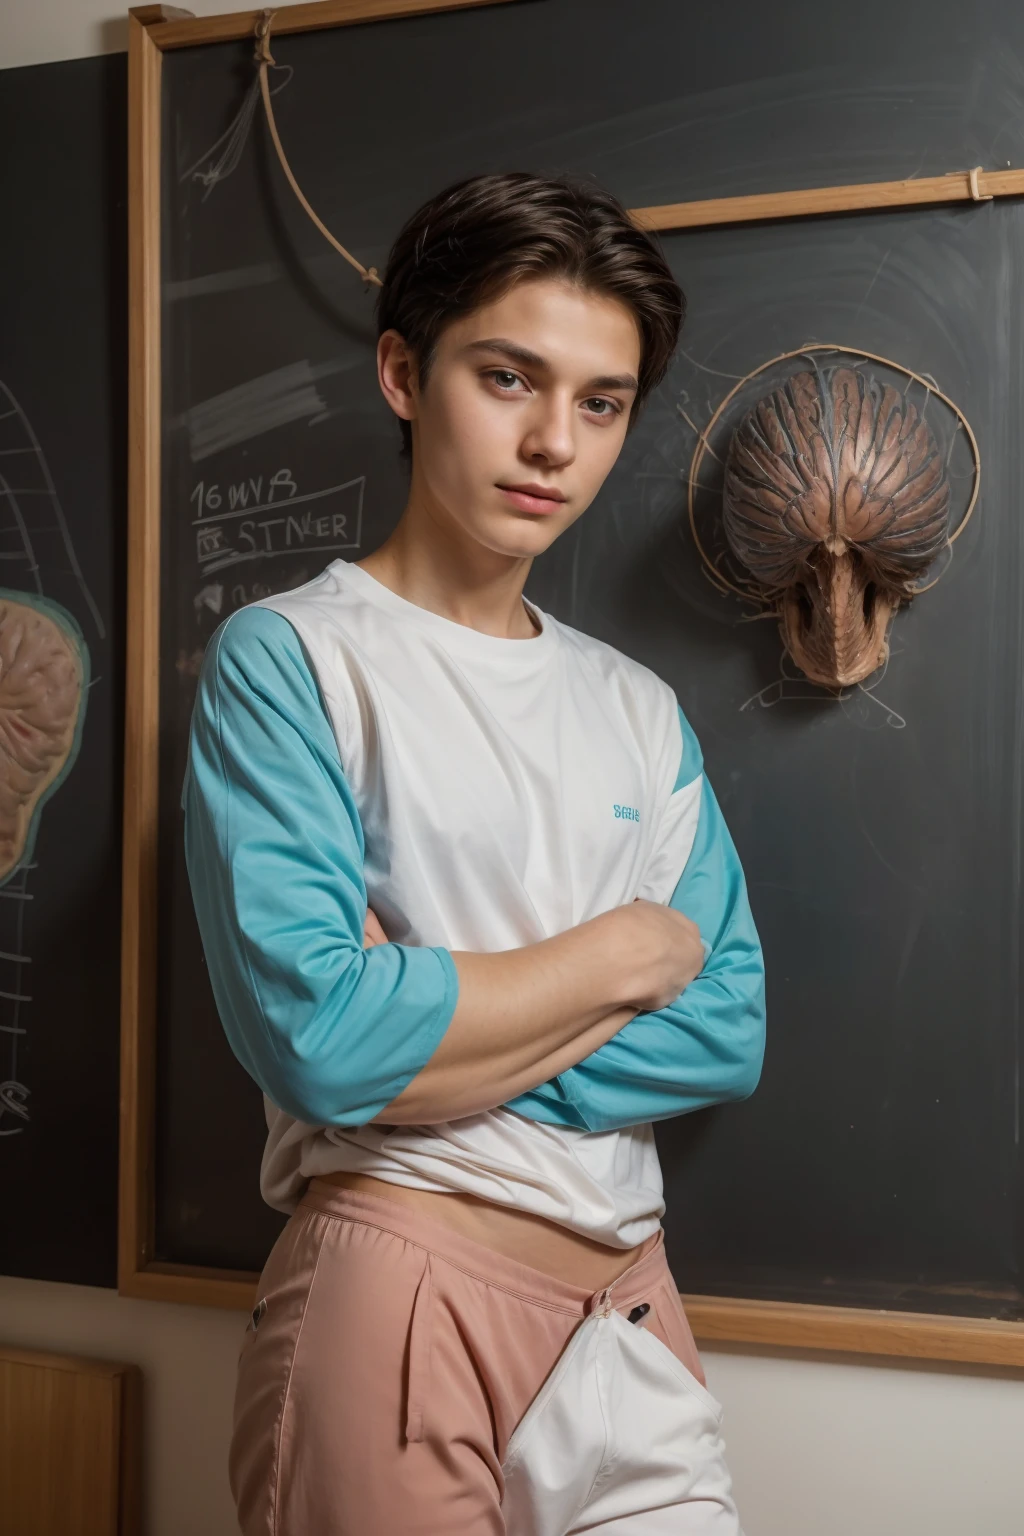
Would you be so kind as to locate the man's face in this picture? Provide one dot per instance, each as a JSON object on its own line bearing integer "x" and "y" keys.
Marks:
{"x": 523, "y": 414}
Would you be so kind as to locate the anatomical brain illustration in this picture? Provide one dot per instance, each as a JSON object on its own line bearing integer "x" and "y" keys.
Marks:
{"x": 836, "y": 502}
{"x": 43, "y": 665}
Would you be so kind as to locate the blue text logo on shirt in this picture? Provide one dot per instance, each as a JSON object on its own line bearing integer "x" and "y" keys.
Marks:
{"x": 626, "y": 813}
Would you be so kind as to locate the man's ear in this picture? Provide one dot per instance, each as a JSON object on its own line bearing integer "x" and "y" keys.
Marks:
{"x": 396, "y": 374}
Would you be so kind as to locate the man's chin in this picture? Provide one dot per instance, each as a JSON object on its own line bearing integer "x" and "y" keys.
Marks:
{"x": 521, "y": 533}
{"x": 522, "y": 542}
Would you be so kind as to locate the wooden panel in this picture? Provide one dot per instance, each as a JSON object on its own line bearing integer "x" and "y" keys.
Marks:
{"x": 296, "y": 18}
{"x": 69, "y": 1446}
{"x": 955, "y": 187}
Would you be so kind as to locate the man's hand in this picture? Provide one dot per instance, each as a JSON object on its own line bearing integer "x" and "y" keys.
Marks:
{"x": 373, "y": 933}
{"x": 665, "y": 952}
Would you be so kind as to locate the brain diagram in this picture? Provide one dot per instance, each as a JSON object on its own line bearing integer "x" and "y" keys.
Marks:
{"x": 43, "y": 665}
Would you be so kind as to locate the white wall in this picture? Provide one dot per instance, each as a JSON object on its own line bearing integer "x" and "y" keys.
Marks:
{"x": 819, "y": 1447}
{"x": 39, "y": 31}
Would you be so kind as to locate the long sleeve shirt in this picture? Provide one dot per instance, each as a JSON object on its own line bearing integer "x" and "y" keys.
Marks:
{"x": 351, "y": 749}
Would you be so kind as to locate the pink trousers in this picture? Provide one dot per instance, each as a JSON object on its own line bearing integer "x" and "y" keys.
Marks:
{"x": 389, "y": 1361}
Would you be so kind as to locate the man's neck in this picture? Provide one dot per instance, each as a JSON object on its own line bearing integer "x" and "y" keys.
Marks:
{"x": 432, "y": 566}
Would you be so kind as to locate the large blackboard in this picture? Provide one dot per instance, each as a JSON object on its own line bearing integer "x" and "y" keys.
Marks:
{"x": 879, "y": 1162}
{"x": 62, "y": 525}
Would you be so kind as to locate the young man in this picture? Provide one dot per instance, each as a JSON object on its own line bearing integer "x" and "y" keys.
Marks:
{"x": 473, "y": 921}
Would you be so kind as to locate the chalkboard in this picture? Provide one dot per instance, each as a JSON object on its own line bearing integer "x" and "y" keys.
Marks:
{"x": 62, "y": 524}
{"x": 879, "y": 1162}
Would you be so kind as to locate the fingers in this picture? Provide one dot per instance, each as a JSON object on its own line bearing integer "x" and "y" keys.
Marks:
{"x": 373, "y": 933}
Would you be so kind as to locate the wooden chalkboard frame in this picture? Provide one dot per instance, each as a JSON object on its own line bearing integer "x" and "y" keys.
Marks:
{"x": 152, "y": 30}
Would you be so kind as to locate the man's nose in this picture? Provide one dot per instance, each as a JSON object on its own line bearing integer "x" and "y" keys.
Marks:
{"x": 551, "y": 437}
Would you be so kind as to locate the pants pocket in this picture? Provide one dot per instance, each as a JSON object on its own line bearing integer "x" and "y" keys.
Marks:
{"x": 669, "y": 1359}
{"x": 421, "y": 1339}
{"x": 673, "y": 1334}
{"x": 622, "y": 1437}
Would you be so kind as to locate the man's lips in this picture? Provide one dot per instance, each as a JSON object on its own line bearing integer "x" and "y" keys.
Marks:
{"x": 533, "y": 498}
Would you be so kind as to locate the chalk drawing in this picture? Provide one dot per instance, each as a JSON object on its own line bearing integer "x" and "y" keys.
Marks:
{"x": 44, "y": 682}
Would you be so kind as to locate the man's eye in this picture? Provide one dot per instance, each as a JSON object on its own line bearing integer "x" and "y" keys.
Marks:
{"x": 600, "y": 407}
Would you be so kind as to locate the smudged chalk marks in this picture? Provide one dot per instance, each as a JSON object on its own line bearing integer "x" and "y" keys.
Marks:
{"x": 211, "y": 597}
{"x": 218, "y": 162}
{"x": 229, "y": 281}
{"x": 260, "y": 405}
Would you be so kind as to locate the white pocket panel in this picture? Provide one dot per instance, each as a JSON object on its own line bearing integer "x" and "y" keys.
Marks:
{"x": 620, "y": 1439}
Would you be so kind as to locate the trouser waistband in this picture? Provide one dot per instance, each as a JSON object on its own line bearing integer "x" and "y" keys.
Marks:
{"x": 484, "y": 1263}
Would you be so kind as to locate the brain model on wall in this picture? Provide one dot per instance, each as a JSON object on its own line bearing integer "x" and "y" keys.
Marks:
{"x": 43, "y": 681}
{"x": 836, "y": 502}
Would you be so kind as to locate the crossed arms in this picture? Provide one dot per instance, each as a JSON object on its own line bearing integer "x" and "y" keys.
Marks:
{"x": 605, "y": 1026}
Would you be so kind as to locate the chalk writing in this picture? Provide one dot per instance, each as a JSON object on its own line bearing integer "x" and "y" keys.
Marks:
{"x": 210, "y": 498}
{"x": 266, "y": 516}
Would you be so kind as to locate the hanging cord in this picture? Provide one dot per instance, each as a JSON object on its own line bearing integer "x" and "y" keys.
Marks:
{"x": 704, "y": 446}
{"x": 265, "y": 60}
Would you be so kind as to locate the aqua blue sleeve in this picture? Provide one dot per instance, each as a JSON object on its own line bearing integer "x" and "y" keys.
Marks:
{"x": 707, "y": 1046}
{"x": 331, "y": 1032}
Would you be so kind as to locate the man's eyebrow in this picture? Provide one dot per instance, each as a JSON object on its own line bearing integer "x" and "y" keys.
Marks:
{"x": 520, "y": 354}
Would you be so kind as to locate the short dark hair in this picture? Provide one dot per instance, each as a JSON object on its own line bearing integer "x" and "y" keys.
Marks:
{"x": 471, "y": 243}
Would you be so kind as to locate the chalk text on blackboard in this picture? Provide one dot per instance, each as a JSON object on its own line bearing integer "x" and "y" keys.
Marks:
{"x": 260, "y": 518}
